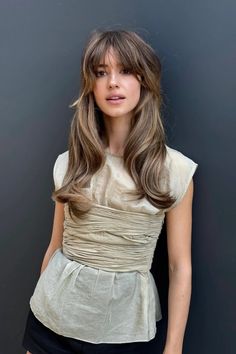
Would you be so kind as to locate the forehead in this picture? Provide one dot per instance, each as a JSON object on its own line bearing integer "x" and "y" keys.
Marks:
{"x": 110, "y": 58}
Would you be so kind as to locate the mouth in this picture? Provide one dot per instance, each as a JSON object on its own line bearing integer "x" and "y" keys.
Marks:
{"x": 115, "y": 98}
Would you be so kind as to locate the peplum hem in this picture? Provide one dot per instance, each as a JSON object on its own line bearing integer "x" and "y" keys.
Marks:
{"x": 93, "y": 305}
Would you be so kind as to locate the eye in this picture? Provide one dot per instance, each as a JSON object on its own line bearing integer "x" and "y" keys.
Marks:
{"x": 127, "y": 71}
{"x": 99, "y": 73}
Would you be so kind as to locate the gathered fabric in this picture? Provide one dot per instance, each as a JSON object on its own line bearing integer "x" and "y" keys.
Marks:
{"x": 112, "y": 239}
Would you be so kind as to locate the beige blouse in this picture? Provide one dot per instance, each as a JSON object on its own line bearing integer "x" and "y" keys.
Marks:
{"x": 98, "y": 287}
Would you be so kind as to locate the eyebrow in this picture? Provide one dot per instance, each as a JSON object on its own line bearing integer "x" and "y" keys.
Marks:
{"x": 105, "y": 65}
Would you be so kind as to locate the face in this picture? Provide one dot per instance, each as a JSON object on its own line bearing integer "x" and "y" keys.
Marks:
{"x": 116, "y": 89}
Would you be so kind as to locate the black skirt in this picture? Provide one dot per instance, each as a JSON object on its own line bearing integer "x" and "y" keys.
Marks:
{"x": 39, "y": 339}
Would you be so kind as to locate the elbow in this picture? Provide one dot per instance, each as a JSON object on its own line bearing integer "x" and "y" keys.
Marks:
{"x": 181, "y": 269}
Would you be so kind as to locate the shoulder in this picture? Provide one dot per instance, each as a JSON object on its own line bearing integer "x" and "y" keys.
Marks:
{"x": 175, "y": 158}
{"x": 181, "y": 169}
{"x": 60, "y": 168}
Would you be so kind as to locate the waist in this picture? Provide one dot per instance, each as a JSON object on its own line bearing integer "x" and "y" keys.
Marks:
{"x": 113, "y": 258}
{"x": 112, "y": 239}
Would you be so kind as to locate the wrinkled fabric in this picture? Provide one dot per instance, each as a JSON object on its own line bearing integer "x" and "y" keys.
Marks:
{"x": 98, "y": 287}
{"x": 112, "y": 239}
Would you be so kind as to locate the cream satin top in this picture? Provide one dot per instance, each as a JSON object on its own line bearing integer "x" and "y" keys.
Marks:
{"x": 98, "y": 287}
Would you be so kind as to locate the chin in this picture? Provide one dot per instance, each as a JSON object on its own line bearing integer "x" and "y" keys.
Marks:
{"x": 117, "y": 114}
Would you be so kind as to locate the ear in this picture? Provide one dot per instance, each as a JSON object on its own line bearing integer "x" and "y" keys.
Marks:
{"x": 139, "y": 77}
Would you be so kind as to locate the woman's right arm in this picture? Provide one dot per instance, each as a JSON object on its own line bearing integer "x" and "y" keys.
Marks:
{"x": 57, "y": 234}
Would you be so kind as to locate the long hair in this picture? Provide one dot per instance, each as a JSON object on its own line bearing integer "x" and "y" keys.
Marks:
{"x": 145, "y": 148}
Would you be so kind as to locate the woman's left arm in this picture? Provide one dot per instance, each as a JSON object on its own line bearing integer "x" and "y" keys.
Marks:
{"x": 179, "y": 230}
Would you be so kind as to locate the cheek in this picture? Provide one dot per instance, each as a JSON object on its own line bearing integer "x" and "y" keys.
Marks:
{"x": 137, "y": 92}
{"x": 96, "y": 94}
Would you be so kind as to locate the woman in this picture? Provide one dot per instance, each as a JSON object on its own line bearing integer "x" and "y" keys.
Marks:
{"x": 113, "y": 188}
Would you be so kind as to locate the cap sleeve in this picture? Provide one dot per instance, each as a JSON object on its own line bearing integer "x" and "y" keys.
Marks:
{"x": 59, "y": 169}
{"x": 181, "y": 170}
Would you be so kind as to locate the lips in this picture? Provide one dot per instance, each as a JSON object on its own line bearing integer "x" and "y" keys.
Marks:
{"x": 115, "y": 97}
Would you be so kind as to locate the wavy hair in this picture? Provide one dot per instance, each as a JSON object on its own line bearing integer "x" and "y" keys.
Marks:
{"x": 145, "y": 148}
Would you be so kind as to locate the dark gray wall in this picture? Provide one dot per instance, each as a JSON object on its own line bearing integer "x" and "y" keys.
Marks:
{"x": 41, "y": 43}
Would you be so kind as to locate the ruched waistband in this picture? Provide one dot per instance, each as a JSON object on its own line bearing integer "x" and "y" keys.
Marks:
{"x": 112, "y": 239}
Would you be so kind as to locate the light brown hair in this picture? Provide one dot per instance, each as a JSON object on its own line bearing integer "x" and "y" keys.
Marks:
{"x": 145, "y": 148}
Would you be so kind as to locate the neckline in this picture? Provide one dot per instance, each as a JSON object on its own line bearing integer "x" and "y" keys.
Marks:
{"x": 113, "y": 155}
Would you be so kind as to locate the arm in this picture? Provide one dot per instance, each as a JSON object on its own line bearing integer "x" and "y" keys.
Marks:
{"x": 57, "y": 234}
{"x": 179, "y": 229}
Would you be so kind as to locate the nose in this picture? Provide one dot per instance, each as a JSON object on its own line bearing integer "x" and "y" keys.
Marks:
{"x": 113, "y": 80}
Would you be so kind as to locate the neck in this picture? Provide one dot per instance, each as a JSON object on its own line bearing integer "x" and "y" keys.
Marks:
{"x": 117, "y": 131}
